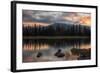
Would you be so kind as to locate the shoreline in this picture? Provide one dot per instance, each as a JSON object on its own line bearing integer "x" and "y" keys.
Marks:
{"x": 56, "y": 37}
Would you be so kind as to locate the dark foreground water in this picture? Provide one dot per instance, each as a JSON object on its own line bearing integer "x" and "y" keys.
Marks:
{"x": 44, "y": 50}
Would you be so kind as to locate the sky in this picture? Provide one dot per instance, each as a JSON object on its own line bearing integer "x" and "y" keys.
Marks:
{"x": 48, "y": 17}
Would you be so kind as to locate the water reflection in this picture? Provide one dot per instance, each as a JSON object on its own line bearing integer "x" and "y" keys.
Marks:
{"x": 41, "y": 50}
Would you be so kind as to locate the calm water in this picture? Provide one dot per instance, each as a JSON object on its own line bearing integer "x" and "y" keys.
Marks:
{"x": 43, "y": 50}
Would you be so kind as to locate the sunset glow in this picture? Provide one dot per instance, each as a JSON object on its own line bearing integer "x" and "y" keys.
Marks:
{"x": 86, "y": 20}
{"x": 32, "y": 47}
{"x": 32, "y": 24}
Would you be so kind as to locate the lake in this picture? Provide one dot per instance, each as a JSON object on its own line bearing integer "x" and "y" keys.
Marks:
{"x": 58, "y": 49}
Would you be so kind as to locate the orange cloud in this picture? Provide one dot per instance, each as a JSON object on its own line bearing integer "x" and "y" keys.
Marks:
{"x": 86, "y": 20}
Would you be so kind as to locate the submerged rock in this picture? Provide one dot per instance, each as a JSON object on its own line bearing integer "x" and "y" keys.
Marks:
{"x": 82, "y": 53}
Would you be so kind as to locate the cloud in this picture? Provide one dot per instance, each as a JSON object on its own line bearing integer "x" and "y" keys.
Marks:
{"x": 41, "y": 16}
{"x": 52, "y": 16}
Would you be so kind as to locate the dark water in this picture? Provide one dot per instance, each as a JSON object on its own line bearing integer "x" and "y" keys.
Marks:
{"x": 44, "y": 50}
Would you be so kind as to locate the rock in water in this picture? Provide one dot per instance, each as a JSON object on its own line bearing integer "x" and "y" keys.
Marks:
{"x": 39, "y": 54}
{"x": 59, "y": 54}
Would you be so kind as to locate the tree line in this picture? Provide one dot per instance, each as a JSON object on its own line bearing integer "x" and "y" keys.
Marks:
{"x": 59, "y": 30}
